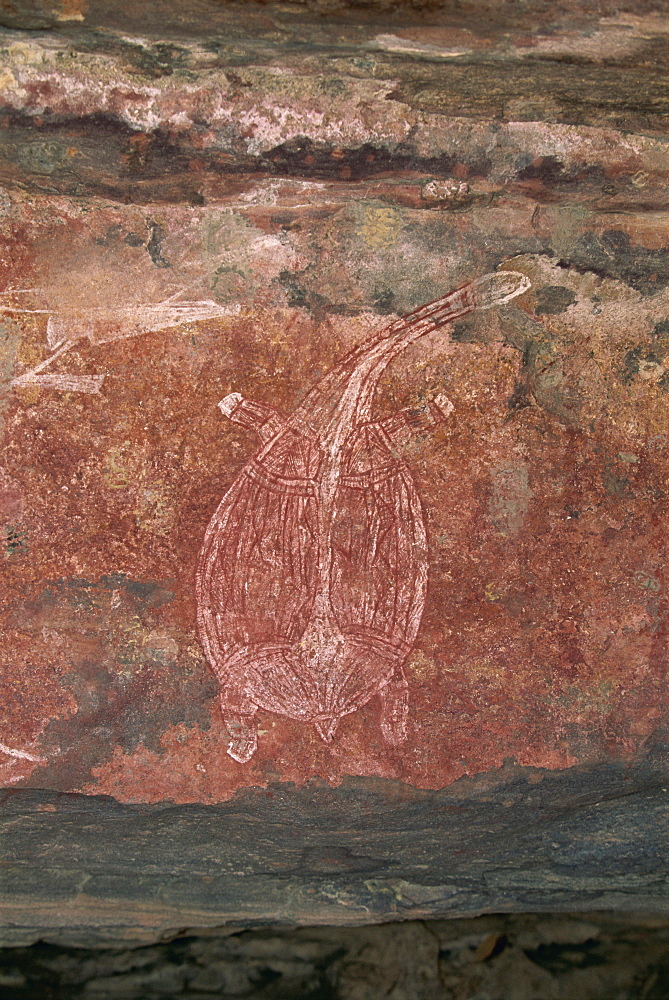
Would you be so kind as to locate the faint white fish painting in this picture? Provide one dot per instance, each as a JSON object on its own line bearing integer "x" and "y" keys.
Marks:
{"x": 69, "y": 327}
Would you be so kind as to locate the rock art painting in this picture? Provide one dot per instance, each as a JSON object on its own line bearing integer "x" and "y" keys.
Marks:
{"x": 389, "y": 589}
{"x": 67, "y": 328}
{"x": 312, "y": 577}
{"x": 339, "y": 578}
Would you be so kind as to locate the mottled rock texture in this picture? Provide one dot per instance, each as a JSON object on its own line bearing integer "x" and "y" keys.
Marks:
{"x": 303, "y": 174}
{"x": 87, "y": 871}
{"x": 592, "y": 957}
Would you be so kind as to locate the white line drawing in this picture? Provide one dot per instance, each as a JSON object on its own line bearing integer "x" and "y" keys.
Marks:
{"x": 21, "y": 754}
{"x": 66, "y": 328}
{"x": 312, "y": 576}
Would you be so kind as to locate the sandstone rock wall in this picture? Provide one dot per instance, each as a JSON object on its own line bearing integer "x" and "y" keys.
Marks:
{"x": 201, "y": 199}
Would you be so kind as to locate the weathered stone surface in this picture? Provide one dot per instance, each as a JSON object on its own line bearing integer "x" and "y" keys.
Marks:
{"x": 87, "y": 870}
{"x": 206, "y": 199}
{"x": 588, "y": 956}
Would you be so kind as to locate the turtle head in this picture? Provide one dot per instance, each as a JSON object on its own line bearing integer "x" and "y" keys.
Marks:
{"x": 496, "y": 289}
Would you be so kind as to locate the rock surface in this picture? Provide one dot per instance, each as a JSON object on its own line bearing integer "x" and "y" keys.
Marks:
{"x": 200, "y": 199}
{"x": 589, "y": 956}
{"x": 88, "y": 871}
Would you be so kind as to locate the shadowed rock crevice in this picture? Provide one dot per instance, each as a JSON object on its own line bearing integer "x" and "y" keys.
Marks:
{"x": 591, "y": 955}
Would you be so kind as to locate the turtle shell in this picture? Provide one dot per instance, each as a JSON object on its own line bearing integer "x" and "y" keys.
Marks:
{"x": 260, "y": 573}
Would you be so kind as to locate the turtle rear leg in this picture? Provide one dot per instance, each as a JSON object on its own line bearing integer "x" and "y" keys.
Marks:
{"x": 238, "y": 715}
{"x": 395, "y": 708}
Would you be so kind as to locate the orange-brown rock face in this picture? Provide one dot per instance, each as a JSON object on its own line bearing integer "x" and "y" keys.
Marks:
{"x": 182, "y": 221}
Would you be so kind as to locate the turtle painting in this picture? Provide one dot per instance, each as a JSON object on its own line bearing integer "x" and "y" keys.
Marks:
{"x": 312, "y": 577}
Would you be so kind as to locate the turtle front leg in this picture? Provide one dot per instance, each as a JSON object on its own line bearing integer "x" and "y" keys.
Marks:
{"x": 395, "y": 708}
{"x": 258, "y": 417}
{"x": 238, "y": 715}
{"x": 414, "y": 423}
